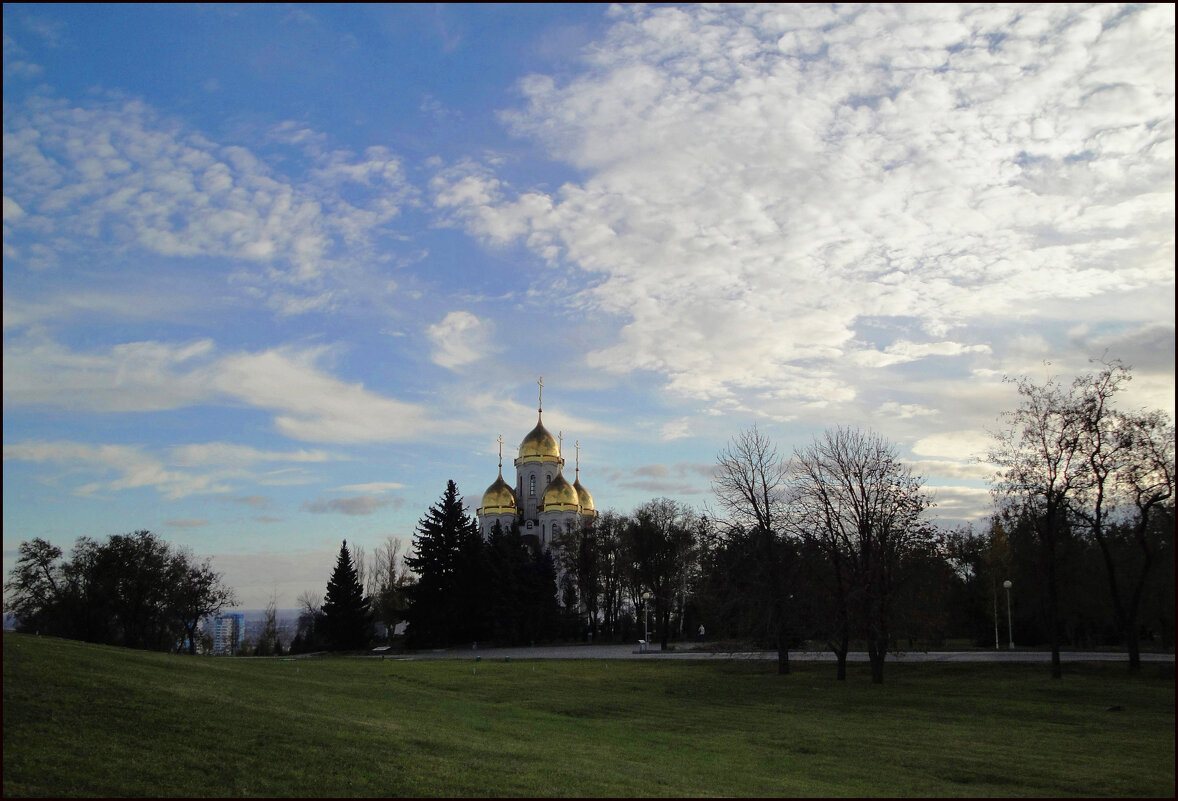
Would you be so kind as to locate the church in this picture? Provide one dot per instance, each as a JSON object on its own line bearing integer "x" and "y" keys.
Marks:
{"x": 543, "y": 502}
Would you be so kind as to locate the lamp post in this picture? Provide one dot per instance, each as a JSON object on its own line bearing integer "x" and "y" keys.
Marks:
{"x": 1009, "y": 630}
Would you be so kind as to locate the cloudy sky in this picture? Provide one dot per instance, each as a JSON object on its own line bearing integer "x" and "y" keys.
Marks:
{"x": 273, "y": 274}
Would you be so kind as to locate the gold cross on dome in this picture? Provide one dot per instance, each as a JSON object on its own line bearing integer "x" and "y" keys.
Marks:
{"x": 541, "y": 383}
{"x": 500, "y": 441}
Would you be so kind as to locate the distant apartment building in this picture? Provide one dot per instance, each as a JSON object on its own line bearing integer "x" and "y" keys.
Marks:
{"x": 228, "y": 634}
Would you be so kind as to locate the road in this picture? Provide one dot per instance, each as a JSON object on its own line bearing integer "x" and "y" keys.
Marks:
{"x": 635, "y": 652}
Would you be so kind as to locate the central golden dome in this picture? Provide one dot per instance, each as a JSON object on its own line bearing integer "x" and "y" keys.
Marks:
{"x": 539, "y": 445}
{"x": 498, "y": 499}
{"x": 560, "y": 495}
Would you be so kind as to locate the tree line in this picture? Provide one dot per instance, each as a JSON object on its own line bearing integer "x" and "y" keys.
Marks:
{"x": 134, "y": 590}
{"x": 830, "y": 545}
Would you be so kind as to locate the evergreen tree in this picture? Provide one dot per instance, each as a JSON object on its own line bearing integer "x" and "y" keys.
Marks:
{"x": 446, "y": 603}
{"x": 346, "y": 617}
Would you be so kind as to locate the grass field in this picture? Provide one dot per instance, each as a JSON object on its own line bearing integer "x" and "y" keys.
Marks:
{"x": 91, "y": 720}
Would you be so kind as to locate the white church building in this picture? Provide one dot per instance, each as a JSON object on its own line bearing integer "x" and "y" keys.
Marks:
{"x": 543, "y": 502}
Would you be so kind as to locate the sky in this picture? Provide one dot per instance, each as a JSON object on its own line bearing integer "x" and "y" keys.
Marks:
{"x": 274, "y": 274}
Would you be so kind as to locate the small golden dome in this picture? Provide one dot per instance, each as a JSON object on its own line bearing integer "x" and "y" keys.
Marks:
{"x": 586, "y": 499}
{"x": 539, "y": 445}
{"x": 560, "y": 496}
{"x": 498, "y": 499}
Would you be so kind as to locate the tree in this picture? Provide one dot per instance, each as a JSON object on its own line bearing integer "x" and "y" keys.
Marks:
{"x": 661, "y": 547}
{"x": 749, "y": 486}
{"x": 268, "y": 644}
{"x": 1129, "y": 460}
{"x": 444, "y": 605}
{"x": 864, "y": 508}
{"x": 1041, "y": 469}
{"x": 388, "y": 583}
{"x": 310, "y": 632}
{"x": 134, "y": 590}
{"x": 608, "y": 536}
{"x": 199, "y": 596}
{"x": 581, "y": 566}
{"x": 346, "y": 618}
{"x": 35, "y": 587}
{"x": 1074, "y": 466}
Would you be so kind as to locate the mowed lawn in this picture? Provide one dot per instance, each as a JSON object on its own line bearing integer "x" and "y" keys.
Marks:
{"x": 91, "y": 720}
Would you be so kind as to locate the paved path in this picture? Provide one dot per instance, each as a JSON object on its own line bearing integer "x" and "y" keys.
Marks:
{"x": 633, "y": 652}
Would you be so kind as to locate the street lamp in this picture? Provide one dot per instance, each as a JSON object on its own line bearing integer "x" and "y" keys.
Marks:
{"x": 1009, "y": 629}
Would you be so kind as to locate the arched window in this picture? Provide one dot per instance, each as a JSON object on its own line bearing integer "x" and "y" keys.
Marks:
{"x": 532, "y": 485}
{"x": 547, "y": 479}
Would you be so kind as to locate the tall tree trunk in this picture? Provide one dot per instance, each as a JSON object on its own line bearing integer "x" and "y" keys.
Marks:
{"x": 840, "y": 656}
{"x": 782, "y": 651}
{"x": 876, "y": 649}
{"x": 1053, "y": 612}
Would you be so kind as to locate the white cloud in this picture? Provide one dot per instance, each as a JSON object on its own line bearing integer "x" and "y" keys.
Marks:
{"x": 132, "y": 468}
{"x": 459, "y": 338}
{"x": 136, "y": 376}
{"x": 960, "y": 504}
{"x": 226, "y": 453}
{"x": 308, "y": 404}
{"x": 903, "y": 351}
{"x": 760, "y": 179}
{"x": 954, "y": 444}
{"x": 120, "y": 175}
{"x": 313, "y": 406}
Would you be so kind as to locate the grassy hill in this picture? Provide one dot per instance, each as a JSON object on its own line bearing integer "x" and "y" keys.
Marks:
{"x": 90, "y": 720}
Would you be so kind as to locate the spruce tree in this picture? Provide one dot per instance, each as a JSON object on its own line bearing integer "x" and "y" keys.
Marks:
{"x": 346, "y": 617}
{"x": 445, "y": 604}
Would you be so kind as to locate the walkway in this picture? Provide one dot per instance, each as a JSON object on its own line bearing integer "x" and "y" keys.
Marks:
{"x": 632, "y": 652}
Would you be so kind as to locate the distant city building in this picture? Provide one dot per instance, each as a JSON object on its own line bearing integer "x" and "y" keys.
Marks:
{"x": 228, "y": 634}
{"x": 543, "y": 503}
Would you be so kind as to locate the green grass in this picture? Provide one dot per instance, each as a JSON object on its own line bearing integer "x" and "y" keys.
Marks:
{"x": 90, "y": 720}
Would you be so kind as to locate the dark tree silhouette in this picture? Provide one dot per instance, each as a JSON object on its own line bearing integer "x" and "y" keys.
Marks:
{"x": 134, "y": 590}
{"x": 445, "y": 606}
{"x": 749, "y": 485}
{"x": 346, "y": 619}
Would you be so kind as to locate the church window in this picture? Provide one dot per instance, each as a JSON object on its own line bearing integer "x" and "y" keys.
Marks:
{"x": 547, "y": 479}
{"x": 532, "y": 485}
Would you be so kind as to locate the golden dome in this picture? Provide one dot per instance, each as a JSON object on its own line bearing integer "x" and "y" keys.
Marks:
{"x": 539, "y": 445}
{"x": 585, "y": 498}
{"x": 498, "y": 499}
{"x": 560, "y": 496}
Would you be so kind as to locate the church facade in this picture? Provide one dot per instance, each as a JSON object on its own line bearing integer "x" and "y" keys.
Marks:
{"x": 543, "y": 502}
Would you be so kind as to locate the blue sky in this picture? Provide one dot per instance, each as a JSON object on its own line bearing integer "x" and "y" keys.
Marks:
{"x": 273, "y": 274}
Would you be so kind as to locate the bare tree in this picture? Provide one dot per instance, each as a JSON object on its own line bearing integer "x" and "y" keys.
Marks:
{"x": 864, "y": 508}
{"x": 388, "y": 577}
{"x": 268, "y": 644}
{"x": 1129, "y": 460}
{"x": 1042, "y": 469}
{"x": 749, "y": 485}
